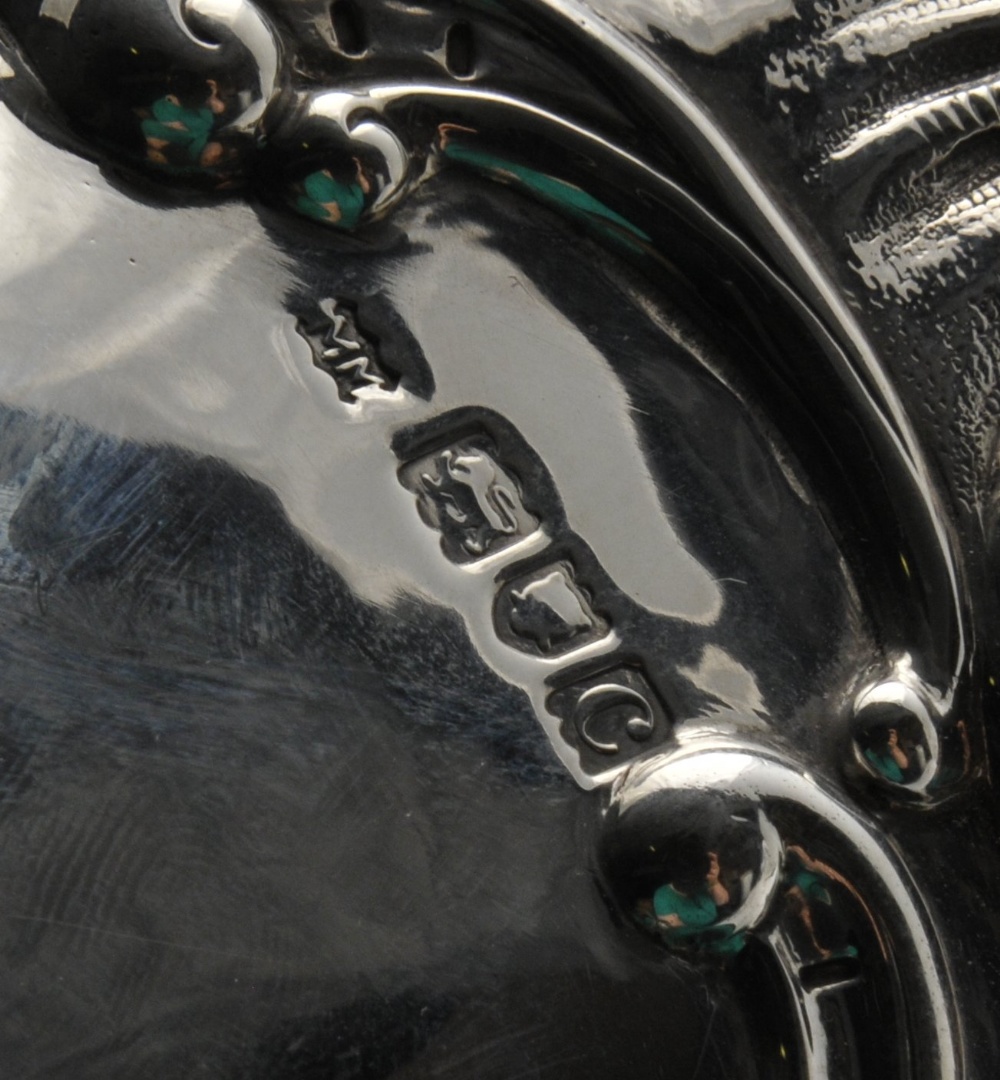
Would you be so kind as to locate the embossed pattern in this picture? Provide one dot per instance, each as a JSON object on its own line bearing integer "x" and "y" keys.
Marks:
{"x": 532, "y": 415}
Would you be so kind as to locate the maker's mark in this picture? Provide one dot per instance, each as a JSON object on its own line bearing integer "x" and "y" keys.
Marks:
{"x": 347, "y": 354}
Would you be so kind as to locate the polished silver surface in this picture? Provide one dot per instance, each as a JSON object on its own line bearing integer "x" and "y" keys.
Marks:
{"x": 781, "y": 889}
{"x": 498, "y": 539}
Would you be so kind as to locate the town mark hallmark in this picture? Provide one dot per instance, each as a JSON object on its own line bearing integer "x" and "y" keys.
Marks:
{"x": 346, "y": 353}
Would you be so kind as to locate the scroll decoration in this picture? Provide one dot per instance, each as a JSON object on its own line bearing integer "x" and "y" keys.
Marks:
{"x": 204, "y": 99}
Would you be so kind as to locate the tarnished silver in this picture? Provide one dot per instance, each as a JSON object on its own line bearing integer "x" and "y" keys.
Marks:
{"x": 557, "y": 446}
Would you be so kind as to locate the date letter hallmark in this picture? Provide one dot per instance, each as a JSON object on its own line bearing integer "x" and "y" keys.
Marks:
{"x": 347, "y": 354}
{"x": 470, "y": 499}
{"x": 610, "y": 718}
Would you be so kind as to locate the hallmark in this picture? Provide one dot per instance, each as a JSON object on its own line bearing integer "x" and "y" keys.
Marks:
{"x": 547, "y": 613}
{"x": 613, "y": 714}
{"x": 472, "y": 500}
{"x": 346, "y": 353}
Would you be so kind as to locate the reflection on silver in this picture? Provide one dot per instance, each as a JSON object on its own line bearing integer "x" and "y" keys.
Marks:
{"x": 706, "y": 774}
{"x": 708, "y": 26}
{"x": 895, "y": 733}
{"x": 949, "y": 644}
{"x": 61, "y": 10}
{"x": 345, "y": 113}
{"x": 822, "y": 1048}
{"x": 692, "y": 117}
{"x": 626, "y": 632}
{"x": 244, "y": 22}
